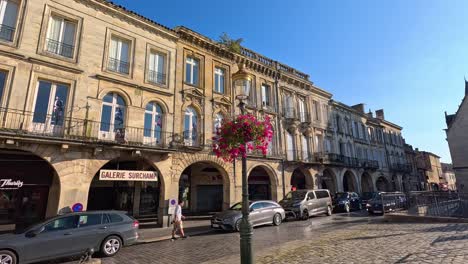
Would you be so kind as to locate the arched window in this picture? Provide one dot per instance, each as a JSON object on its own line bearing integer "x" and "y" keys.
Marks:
{"x": 113, "y": 117}
{"x": 153, "y": 124}
{"x": 191, "y": 127}
{"x": 217, "y": 121}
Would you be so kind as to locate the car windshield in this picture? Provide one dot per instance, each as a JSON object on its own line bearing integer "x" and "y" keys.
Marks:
{"x": 340, "y": 196}
{"x": 296, "y": 195}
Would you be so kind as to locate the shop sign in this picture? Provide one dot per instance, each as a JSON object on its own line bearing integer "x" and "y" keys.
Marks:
{"x": 9, "y": 184}
{"x": 124, "y": 175}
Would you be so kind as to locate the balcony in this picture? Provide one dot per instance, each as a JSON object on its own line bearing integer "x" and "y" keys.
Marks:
{"x": 290, "y": 113}
{"x": 7, "y": 33}
{"x": 399, "y": 167}
{"x": 118, "y": 66}
{"x": 304, "y": 117}
{"x": 17, "y": 123}
{"x": 370, "y": 164}
{"x": 157, "y": 77}
{"x": 60, "y": 48}
{"x": 338, "y": 159}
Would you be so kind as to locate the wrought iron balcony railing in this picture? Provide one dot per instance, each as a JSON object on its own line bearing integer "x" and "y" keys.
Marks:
{"x": 157, "y": 77}
{"x": 289, "y": 113}
{"x": 60, "y": 48}
{"x": 7, "y": 33}
{"x": 118, "y": 66}
{"x": 399, "y": 167}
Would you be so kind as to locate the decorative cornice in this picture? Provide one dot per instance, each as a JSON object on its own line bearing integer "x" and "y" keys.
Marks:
{"x": 12, "y": 55}
{"x": 109, "y": 79}
{"x": 54, "y": 65}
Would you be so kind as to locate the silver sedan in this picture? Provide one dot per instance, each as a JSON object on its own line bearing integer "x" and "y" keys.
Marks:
{"x": 261, "y": 213}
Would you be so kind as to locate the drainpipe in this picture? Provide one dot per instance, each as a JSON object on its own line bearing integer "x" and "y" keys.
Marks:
{"x": 278, "y": 121}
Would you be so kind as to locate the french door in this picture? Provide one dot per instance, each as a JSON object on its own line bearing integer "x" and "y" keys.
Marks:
{"x": 49, "y": 108}
{"x": 190, "y": 127}
{"x": 153, "y": 124}
{"x": 113, "y": 118}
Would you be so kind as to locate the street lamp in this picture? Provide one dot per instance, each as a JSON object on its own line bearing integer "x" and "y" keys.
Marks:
{"x": 242, "y": 83}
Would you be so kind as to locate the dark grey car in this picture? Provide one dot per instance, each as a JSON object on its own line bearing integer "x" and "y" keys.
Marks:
{"x": 69, "y": 235}
{"x": 261, "y": 213}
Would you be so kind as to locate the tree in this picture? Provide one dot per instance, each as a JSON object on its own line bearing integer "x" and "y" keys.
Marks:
{"x": 233, "y": 45}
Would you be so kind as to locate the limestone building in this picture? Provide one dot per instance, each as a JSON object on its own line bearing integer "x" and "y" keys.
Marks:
{"x": 91, "y": 92}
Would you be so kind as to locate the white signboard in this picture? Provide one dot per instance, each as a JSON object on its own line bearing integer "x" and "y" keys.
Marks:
{"x": 124, "y": 175}
{"x": 172, "y": 206}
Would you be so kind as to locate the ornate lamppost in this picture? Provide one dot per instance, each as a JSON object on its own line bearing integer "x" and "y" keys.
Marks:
{"x": 242, "y": 84}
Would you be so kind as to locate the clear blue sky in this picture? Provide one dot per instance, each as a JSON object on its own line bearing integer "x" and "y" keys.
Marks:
{"x": 406, "y": 56}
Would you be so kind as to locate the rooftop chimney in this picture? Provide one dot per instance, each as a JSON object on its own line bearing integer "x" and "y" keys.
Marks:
{"x": 359, "y": 108}
{"x": 380, "y": 114}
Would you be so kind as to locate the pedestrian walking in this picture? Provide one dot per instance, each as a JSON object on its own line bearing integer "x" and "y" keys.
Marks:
{"x": 177, "y": 221}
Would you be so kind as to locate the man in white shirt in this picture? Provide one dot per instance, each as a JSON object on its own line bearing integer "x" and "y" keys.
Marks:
{"x": 178, "y": 217}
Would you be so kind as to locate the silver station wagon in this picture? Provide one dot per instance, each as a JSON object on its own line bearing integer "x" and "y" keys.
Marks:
{"x": 261, "y": 213}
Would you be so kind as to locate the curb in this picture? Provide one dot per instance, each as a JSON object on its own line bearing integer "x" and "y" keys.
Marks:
{"x": 168, "y": 237}
{"x": 423, "y": 219}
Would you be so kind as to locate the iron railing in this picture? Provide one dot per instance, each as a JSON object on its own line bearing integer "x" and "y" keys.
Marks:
{"x": 118, "y": 66}
{"x": 399, "y": 167}
{"x": 7, "y": 33}
{"x": 60, "y": 48}
{"x": 289, "y": 113}
{"x": 156, "y": 77}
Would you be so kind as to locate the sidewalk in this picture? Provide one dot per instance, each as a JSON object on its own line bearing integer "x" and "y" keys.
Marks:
{"x": 191, "y": 228}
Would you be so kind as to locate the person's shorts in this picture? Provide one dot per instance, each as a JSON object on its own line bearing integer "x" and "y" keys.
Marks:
{"x": 178, "y": 225}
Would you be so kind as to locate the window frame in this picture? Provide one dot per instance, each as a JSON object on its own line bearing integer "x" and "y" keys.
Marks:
{"x": 201, "y": 70}
{"x": 216, "y": 76}
{"x": 5, "y": 96}
{"x": 131, "y": 50}
{"x": 167, "y": 55}
{"x": 54, "y": 12}
{"x": 18, "y": 26}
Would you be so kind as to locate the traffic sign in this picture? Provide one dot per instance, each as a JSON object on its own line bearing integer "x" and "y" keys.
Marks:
{"x": 78, "y": 207}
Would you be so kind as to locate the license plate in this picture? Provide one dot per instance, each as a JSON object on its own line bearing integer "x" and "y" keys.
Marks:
{"x": 377, "y": 212}
{"x": 215, "y": 225}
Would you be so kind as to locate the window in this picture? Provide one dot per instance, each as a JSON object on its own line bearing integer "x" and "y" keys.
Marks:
{"x": 327, "y": 145}
{"x": 256, "y": 206}
{"x": 319, "y": 143}
{"x": 219, "y": 80}
{"x": 86, "y": 220}
{"x": 190, "y": 127}
{"x": 289, "y": 146}
{"x": 113, "y": 117}
{"x": 119, "y": 54}
{"x": 302, "y": 109}
{"x": 266, "y": 95}
{"x": 50, "y": 107}
{"x": 3, "y": 77}
{"x": 63, "y": 223}
{"x": 157, "y": 68}
{"x": 288, "y": 106}
{"x": 305, "y": 147}
{"x": 316, "y": 110}
{"x": 217, "y": 121}
{"x": 192, "y": 71}
{"x": 322, "y": 194}
{"x": 61, "y": 37}
{"x": 153, "y": 124}
{"x": 310, "y": 196}
{"x": 8, "y": 17}
{"x": 115, "y": 218}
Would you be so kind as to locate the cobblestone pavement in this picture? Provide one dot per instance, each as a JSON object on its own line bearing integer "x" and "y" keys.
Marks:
{"x": 342, "y": 238}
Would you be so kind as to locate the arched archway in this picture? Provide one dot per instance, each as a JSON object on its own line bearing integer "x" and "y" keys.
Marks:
{"x": 349, "y": 182}
{"x": 140, "y": 198}
{"x": 301, "y": 180}
{"x": 329, "y": 181}
{"x": 382, "y": 184}
{"x": 261, "y": 184}
{"x": 204, "y": 186}
{"x": 30, "y": 188}
{"x": 366, "y": 183}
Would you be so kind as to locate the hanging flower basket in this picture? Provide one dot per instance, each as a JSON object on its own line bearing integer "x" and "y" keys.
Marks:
{"x": 236, "y": 138}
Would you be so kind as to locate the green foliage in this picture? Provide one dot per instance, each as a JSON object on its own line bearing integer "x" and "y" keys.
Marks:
{"x": 233, "y": 45}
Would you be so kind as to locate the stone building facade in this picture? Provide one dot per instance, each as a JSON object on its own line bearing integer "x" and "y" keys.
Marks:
{"x": 429, "y": 168}
{"x": 457, "y": 138}
{"x": 88, "y": 85}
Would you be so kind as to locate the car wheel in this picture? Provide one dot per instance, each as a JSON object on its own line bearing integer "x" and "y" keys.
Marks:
{"x": 305, "y": 215}
{"x": 111, "y": 246}
{"x": 237, "y": 225}
{"x": 7, "y": 257}
{"x": 346, "y": 208}
{"x": 277, "y": 219}
{"x": 329, "y": 211}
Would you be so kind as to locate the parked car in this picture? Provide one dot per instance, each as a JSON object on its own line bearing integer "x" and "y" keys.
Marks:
{"x": 389, "y": 200}
{"x": 261, "y": 213}
{"x": 366, "y": 196}
{"x": 301, "y": 204}
{"x": 346, "y": 202}
{"x": 70, "y": 235}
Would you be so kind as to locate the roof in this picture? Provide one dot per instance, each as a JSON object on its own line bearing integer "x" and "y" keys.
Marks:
{"x": 450, "y": 119}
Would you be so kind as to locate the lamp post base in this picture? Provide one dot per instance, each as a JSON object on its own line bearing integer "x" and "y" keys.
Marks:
{"x": 246, "y": 231}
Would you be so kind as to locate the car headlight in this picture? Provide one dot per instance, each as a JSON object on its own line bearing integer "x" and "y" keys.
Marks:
{"x": 368, "y": 205}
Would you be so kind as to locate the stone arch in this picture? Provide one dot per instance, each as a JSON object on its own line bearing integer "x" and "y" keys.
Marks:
{"x": 121, "y": 92}
{"x": 367, "y": 184}
{"x": 164, "y": 106}
{"x": 382, "y": 184}
{"x": 329, "y": 180}
{"x": 350, "y": 181}
{"x": 272, "y": 177}
{"x": 302, "y": 179}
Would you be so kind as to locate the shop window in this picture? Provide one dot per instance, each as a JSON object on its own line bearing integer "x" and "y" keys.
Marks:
{"x": 50, "y": 107}
{"x": 61, "y": 36}
{"x": 157, "y": 68}
{"x": 8, "y": 18}
{"x": 112, "y": 118}
{"x": 190, "y": 127}
{"x": 192, "y": 68}
{"x": 153, "y": 128}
